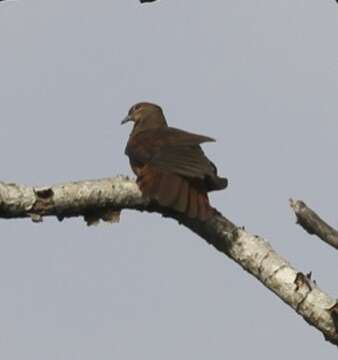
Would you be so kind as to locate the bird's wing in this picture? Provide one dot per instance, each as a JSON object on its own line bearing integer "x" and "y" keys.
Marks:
{"x": 188, "y": 161}
{"x": 152, "y": 144}
{"x": 173, "y": 136}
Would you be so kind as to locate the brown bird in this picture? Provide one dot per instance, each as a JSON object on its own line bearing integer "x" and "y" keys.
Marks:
{"x": 170, "y": 165}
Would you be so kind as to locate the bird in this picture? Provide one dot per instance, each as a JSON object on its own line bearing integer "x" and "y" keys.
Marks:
{"x": 169, "y": 163}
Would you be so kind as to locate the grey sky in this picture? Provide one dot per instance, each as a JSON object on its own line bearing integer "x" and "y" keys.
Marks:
{"x": 261, "y": 77}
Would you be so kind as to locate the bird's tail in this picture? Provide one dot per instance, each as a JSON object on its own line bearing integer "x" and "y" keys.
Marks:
{"x": 175, "y": 192}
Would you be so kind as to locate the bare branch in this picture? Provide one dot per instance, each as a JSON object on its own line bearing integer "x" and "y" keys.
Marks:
{"x": 70, "y": 199}
{"x": 313, "y": 224}
{"x": 101, "y": 197}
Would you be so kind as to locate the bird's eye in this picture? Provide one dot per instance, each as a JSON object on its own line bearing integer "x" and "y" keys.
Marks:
{"x": 134, "y": 108}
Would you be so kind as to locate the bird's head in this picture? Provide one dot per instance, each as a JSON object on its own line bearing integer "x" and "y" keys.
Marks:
{"x": 145, "y": 116}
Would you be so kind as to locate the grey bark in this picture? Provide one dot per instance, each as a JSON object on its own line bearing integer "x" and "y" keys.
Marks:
{"x": 103, "y": 199}
{"x": 313, "y": 224}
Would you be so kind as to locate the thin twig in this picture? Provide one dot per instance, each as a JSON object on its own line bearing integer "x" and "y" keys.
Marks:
{"x": 313, "y": 224}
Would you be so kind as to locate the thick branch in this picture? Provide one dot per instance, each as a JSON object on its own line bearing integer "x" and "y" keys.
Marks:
{"x": 313, "y": 224}
{"x": 99, "y": 198}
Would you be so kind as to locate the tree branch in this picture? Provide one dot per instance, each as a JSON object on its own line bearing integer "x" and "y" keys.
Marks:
{"x": 100, "y": 198}
{"x": 313, "y": 224}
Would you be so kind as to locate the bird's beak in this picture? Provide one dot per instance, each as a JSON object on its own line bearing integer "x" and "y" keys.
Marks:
{"x": 126, "y": 119}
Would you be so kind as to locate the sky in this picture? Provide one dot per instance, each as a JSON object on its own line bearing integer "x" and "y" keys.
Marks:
{"x": 259, "y": 76}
